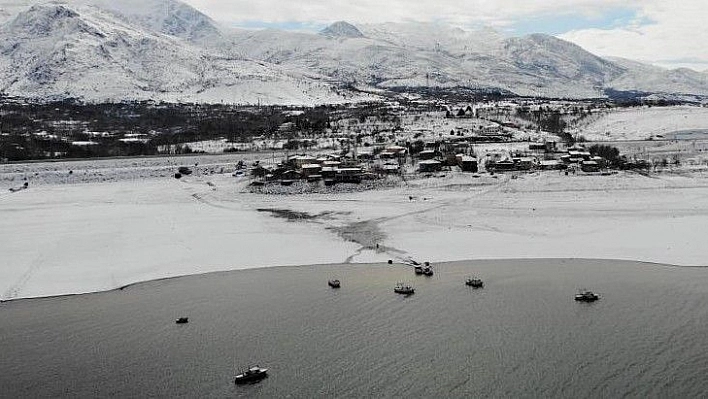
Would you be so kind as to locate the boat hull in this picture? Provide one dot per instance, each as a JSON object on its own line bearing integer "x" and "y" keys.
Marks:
{"x": 251, "y": 376}
{"x": 249, "y": 380}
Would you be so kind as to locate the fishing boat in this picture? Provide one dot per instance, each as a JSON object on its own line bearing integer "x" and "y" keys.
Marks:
{"x": 428, "y": 271}
{"x": 474, "y": 282}
{"x": 182, "y": 320}
{"x": 418, "y": 270}
{"x": 404, "y": 289}
{"x": 586, "y": 296}
{"x": 253, "y": 374}
{"x": 334, "y": 283}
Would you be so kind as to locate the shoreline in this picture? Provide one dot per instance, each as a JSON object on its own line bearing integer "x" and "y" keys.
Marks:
{"x": 324, "y": 265}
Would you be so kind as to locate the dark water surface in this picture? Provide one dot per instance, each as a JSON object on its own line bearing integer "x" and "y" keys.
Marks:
{"x": 523, "y": 335}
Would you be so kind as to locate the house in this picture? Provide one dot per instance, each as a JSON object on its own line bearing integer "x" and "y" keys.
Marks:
{"x": 505, "y": 165}
{"x": 426, "y": 154}
{"x": 524, "y": 163}
{"x": 311, "y": 169}
{"x": 551, "y": 164}
{"x": 601, "y": 162}
{"x": 331, "y": 164}
{"x": 290, "y": 175}
{"x": 589, "y": 166}
{"x": 396, "y": 149}
{"x": 390, "y": 168}
{"x": 429, "y": 165}
{"x": 329, "y": 172}
{"x": 299, "y": 160}
{"x": 547, "y": 146}
{"x": 348, "y": 175}
{"x": 467, "y": 163}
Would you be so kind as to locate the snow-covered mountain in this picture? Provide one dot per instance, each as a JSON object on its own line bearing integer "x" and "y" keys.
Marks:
{"x": 168, "y": 16}
{"x": 95, "y": 53}
{"x": 165, "y": 50}
{"x": 341, "y": 29}
{"x": 649, "y": 78}
{"x": 416, "y": 54}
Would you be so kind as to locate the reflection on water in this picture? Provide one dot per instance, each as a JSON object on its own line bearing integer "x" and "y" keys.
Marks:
{"x": 521, "y": 335}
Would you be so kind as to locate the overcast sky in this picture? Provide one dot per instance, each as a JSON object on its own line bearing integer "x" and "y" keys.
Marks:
{"x": 671, "y": 34}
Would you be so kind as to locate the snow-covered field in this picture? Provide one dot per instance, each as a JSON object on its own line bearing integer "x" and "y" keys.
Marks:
{"x": 61, "y": 236}
{"x": 641, "y": 123}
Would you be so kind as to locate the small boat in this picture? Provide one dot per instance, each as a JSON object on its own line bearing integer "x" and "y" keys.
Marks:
{"x": 182, "y": 320}
{"x": 586, "y": 296}
{"x": 428, "y": 271}
{"x": 253, "y": 374}
{"x": 334, "y": 283}
{"x": 474, "y": 282}
{"x": 418, "y": 270}
{"x": 404, "y": 289}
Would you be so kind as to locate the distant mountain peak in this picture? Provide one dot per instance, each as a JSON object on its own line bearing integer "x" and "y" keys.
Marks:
{"x": 43, "y": 20}
{"x": 171, "y": 17}
{"x": 341, "y": 29}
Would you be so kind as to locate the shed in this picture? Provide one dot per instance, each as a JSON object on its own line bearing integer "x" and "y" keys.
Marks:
{"x": 468, "y": 164}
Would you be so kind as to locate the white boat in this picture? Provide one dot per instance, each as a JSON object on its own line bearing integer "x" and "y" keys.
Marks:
{"x": 253, "y": 374}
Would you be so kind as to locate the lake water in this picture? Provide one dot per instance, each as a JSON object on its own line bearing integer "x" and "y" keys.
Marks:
{"x": 522, "y": 335}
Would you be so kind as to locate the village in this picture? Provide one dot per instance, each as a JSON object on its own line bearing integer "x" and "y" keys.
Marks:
{"x": 395, "y": 143}
{"x": 483, "y": 149}
{"x": 435, "y": 157}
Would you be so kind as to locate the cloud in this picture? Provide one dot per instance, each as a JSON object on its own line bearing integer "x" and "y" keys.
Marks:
{"x": 667, "y": 34}
{"x": 469, "y": 12}
{"x": 657, "y": 31}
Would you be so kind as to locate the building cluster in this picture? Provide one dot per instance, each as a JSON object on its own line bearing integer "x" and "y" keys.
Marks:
{"x": 427, "y": 157}
{"x": 546, "y": 156}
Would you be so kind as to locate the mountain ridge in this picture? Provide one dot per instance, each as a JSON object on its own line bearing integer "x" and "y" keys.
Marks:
{"x": 99, "y": 50}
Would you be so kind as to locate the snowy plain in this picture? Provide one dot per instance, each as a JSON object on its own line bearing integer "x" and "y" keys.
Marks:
{"x": 641, "y": 123}
{"x": 133, "y": 221}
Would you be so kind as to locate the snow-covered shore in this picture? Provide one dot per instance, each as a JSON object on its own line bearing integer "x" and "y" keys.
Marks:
{"x": 65, "y": 237}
